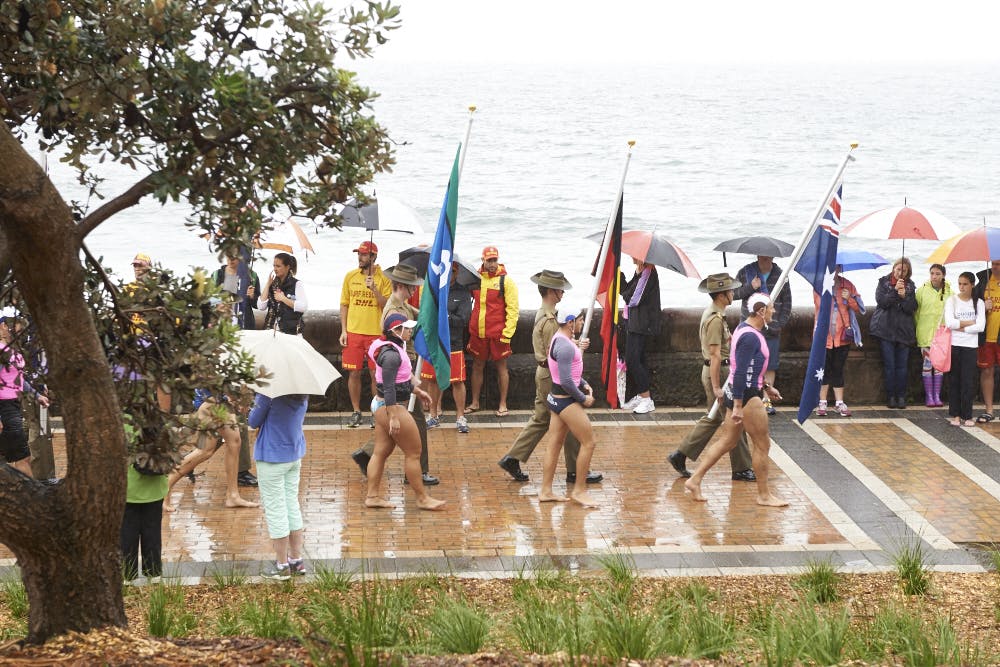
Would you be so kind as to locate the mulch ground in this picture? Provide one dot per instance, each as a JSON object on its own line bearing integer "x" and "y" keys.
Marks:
{"x": 971, "y": 601}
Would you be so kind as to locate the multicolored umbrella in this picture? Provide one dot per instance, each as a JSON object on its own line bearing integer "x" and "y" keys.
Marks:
{"x": 657, "y": 249}
{"x": 980, "y": 244}
{"x": 287, "y": 237}
{"x": 902, "y": 222}
{"x": 653, "y": 248}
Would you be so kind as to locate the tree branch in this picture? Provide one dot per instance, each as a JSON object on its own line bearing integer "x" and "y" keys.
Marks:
{"x": 123, "y": 201}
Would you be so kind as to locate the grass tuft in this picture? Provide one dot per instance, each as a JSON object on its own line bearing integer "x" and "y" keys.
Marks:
{"x": 267, "y": 619}
{"x": 911, "y": 565}
{"x": 819, "y": 581}
{"x": 230, "y": 575}
{"x": 334, "y": 579}
{"x": 167, "y": 614}
{"x": 457, "y": 627}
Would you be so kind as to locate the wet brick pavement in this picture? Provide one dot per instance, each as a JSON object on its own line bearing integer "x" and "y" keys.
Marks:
{"x": 858, "y": 488}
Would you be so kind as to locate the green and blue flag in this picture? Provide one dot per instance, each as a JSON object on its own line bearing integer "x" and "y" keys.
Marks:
{"x": 432, "y": 340}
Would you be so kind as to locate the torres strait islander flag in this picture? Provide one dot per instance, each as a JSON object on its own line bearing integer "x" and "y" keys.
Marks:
{"x": 818, "y": 265}
{"x": 608, "y": 291}
{"x": 432, "y": 340}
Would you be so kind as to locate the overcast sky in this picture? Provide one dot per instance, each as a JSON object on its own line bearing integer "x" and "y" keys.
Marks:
{"x": 738, "y": 31}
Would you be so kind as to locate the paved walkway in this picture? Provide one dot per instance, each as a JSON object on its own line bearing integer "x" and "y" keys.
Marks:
{"x": 859, "y": 489}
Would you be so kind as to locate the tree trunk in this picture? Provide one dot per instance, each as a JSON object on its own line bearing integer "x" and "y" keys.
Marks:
{"x": 65, "y": 537}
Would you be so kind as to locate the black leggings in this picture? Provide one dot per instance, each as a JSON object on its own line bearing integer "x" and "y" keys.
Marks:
{"x": 836, "y": 359}
{"x": 141, "y": 525}
{"x": 13, "y": 439}
{"x": 963, "y": 381}
{"x": 635, "y": 362}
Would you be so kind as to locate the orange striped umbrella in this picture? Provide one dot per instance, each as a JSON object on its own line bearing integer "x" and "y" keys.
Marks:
{"x": 287, "y": 237}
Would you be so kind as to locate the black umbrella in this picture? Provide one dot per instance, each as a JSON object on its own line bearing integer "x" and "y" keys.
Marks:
{"x": 755, "y": 245}
{"x": 418, "y": 256}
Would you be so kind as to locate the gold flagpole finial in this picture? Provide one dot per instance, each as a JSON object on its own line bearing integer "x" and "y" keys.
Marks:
{"x": 631, "y": 143}
{"x": 472, "y": 108}
{"x": 854, "y": 145}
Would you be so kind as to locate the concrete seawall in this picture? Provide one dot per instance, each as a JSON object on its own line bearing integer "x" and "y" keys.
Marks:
{"x": 674, "y": 357}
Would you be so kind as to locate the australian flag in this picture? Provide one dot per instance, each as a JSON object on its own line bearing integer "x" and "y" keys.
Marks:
{"x": 818, "y": 265}
{"x": 432, "y": 340}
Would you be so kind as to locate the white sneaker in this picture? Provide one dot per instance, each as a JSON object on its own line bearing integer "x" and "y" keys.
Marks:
{"x": 631, "y": 403}
{"x": 644, "y": 406}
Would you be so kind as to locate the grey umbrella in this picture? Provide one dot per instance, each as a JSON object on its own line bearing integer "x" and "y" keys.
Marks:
{"x": 755, "y": 245}
{"x": 418, "y": 256}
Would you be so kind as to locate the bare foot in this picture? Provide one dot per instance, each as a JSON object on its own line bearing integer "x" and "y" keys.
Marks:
{"x": 377, "y": 501}
{"x": 239, "y": 501}
{"x": 584, "y": 499}
{"x": 549, "y": 497}
{"x": 168, "y": 508}
{"x": 428, "y": 503}
{"x": 694, "y": 488}
{"x": 771, "y": 500}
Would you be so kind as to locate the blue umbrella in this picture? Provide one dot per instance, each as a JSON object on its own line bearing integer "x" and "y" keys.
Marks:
{"x": 856, "y": 260}
{"x": 851, "y": 260}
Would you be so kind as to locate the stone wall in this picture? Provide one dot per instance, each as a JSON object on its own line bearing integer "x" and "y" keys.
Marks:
{"x": 674, "y": 357}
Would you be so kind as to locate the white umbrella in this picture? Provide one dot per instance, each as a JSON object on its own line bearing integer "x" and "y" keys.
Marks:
{"x": 386, "y": 214}
{"x": 287, "y": 237}
{"x": 296, "y": 367}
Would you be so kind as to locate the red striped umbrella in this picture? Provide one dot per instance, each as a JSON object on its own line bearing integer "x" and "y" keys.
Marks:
{"x": 902, "y": 222}
{"x": 656, "y": 249}
{"x": 653, "y": 248}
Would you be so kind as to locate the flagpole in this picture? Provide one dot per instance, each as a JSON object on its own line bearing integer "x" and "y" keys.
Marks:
{"x": 604, "y": 244}
{"x": 800, "y": 247}
{"x": 461, "y": 163}
{"x": 465, "y": 144}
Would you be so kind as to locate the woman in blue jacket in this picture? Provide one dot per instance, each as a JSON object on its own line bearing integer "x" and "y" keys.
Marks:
{"x": 279, "y": 450}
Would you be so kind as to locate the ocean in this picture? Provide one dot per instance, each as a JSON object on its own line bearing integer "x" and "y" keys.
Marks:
{"x": 721, "y": 151}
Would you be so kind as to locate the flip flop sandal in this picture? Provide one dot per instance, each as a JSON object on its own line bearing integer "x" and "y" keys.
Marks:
{"x": 471, "y": 410}
{"x": 984, "y": 418}
{"x": 502, "y": 413}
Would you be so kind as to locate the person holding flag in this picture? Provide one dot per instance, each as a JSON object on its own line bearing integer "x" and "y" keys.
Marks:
{"x": 459, "y": 312}
{"x": 842, "y": 333}
{"x": 405, "y": 281}
{"x": 434, "y": 337}
{"x": 744, "y": 405}
{"x": 713, "y": 331}
{"x": 816, "y": 261}
{"x": 551, "y": 285}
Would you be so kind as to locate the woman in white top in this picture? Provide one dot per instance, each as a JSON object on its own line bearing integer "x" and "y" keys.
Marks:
{"x": 965, "y": 315}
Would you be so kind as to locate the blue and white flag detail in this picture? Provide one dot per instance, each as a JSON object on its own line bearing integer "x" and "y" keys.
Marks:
{"x": 432, "y": 339}
{"x": 818, "y": 265}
